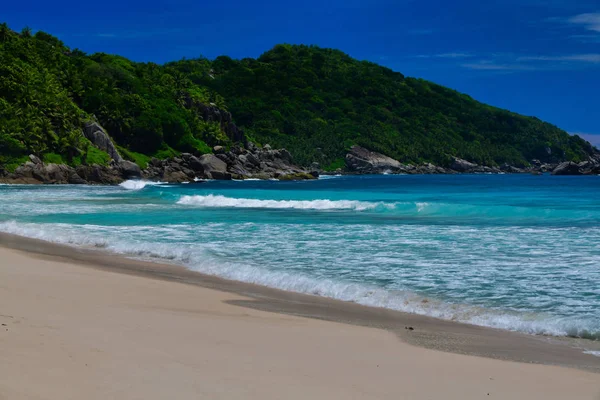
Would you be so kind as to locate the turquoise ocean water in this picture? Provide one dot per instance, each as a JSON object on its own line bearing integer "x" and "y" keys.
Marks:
{"x": 515, "y": 252}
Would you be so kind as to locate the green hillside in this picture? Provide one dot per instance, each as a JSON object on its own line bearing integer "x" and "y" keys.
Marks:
{"x": 305, "y": 98}
{"x": 314, "y": 102}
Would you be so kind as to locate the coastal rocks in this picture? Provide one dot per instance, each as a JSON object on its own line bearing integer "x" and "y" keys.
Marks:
{"x": 361, "y": 160}
{"x": 36, "y": 172}
{"x": 460, "y": 165}
{"x": 590, "y": 167}
{"x": 99, "y": 138}
{"x": 237, "y": 163}
{"x": 212, "y": 166}
{"x": 99, "y": 174}
{"x": 129, "y": 170}
{"x": 567, "y": 168}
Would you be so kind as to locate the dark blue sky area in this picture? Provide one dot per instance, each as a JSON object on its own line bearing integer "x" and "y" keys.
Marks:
{"x": 535, "y": 57}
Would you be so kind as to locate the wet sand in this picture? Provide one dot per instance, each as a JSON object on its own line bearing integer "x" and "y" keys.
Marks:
{"x": 85, "y": 324}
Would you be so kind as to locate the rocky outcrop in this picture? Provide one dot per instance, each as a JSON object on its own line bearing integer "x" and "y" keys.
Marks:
{"x": 361, "y": 160}
{"x": 98, "y": 174}
{"x": 237, "y": 163}
{"x": 460, "y": 165}
{"x": 128, "y": 169}
{"x": 99, "y": 138}
{"x": 36, "y": 172}
{"x": 567, "y": 168}
{"x": 590, "y": 167}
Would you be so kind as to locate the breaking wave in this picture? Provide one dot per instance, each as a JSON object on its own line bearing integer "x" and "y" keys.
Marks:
{"x": 229, "y": 202}
{"x": 201, "y": 258}
{"x": 138, "y": 184}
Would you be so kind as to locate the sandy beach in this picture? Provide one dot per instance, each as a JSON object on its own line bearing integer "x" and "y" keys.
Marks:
{"x": 85, "y": 325}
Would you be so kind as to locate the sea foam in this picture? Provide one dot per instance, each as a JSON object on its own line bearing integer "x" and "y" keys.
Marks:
{"x": 222, "y": 201}
{"x": 138, "y": 184}
{"x": 202, "y": 258}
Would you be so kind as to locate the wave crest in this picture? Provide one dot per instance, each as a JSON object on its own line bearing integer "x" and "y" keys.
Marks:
{"x": 138, "y": 184}
{"x": 229, "y": 202}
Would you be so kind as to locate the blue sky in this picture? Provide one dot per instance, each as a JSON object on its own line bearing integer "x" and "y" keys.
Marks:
{"x": 535, "y": 57}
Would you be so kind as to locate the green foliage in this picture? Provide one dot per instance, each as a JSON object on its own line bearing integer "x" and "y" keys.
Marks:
{"x": 166, "y": 152}
{"x": 96, "y": 156}
{"x": 10, "y": 163}
{"x": 335, "y": 164}
{"x": 47, "y": 92}
{"x": 317, "y": 102}
{"x": 53, "y": 158}
{"x": 138, "y": 158}
{"x": 314, "y": 102}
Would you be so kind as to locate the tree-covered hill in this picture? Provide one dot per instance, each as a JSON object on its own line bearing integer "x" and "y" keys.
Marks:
{"x": 315, "y": 102}
{"x": 48, "y": 91}
{"x": 307, "y": 98}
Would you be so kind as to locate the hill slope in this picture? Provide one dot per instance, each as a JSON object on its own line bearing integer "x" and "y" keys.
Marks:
{"x": 304, "y": 98}
{"x": 315, "y": 102}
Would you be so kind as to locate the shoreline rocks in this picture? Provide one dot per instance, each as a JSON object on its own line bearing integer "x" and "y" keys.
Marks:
{"x": 361, "y": 161}
{"x": 253, "y": 162}
{"x": 237, "y": 163}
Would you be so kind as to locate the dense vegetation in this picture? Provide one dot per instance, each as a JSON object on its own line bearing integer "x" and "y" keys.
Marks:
{"x": 315, "y": 102}
{"x": 307, "y": 98}
{"x": 47, "y": 91}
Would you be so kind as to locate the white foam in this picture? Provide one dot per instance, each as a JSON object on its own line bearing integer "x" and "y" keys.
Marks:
{"x": 138, "y": 184}
{"x": 594, "y": 353}
{"x": 222, "y": 201}
{"x": 141, "y": 242}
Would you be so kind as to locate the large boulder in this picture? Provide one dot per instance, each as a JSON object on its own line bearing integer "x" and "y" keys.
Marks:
{"x": 172, "y": 176}
{"x": 589, "y": 167}
{"x": 211, "y": 164}
{"x": 365, "y": 161}
{"x": 567, "y": 168}
{"x": 129, "y": 170}
{"x": 98, "y": 136}
{"x": 99, "y": 174}
{"x": 58, "y": 173}
{"x": 460, "y": 165}
{"x": 35, "y": 159}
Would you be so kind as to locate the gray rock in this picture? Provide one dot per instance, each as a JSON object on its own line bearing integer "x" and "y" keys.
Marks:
{"x": 34, "y": 159}
{"x": 211, "y": 163}
{"x": 567, "y": 168}
{"x": 173, "y": 176}
{"x": 57, "y": 173}
{"x": 362, "y": 160}
{"x": 267, "y": 147}
{"x": 75, "y": 179}
{"x": 195, "y": 164}
{"x": 99, "y": 138}
{"x": 252, "y": 147}
{"x": 219, "y": 175}
{"x": 219, "y": 149}
{"x": 460, "y": 165}
{"x": 129, "y": 170}
{"x": 99, "y": 174}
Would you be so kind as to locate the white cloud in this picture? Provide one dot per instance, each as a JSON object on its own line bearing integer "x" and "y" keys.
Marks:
{"x": 445, "y": 55}
{"x": 493, "y": 66}
{"x": 588, "y": 58}
{"x": 590, "y": 21}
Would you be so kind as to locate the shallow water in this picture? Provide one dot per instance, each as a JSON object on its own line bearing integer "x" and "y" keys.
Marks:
{"x": 516, "y": 252}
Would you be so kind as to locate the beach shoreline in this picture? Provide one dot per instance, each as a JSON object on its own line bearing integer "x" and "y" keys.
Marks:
{"x": 426, "y": 332}
{"x": 86, "y": 324}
